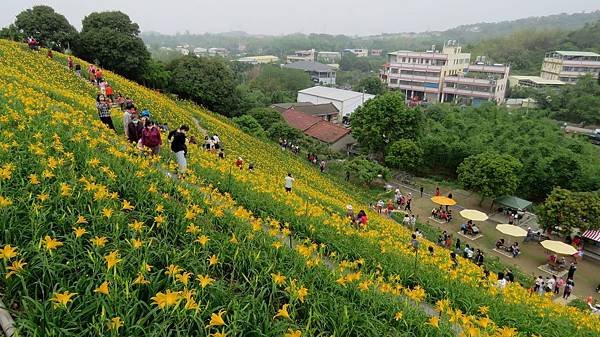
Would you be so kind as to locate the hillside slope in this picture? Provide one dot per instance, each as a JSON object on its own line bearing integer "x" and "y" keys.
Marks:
{"x": 59, "y": 164}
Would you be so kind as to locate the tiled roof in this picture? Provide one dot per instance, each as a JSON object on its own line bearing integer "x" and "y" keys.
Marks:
{"x": 309, "y": 108}
{"x": 314, "y": 126}
{"x": 309, "y": 66}
{"x": 299, "y": 120}
{"x": 327, "y": 132}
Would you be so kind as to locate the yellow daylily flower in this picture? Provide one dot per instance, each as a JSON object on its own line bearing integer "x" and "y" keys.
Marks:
{"x": 103, "y": 288}
{"x": 167, "y": 299}
{"x": 50, "y": 243}
{"x": 217, "y": 319}
{"x": 79, "y": 231}
{"x": 205, "y": 280}
{"x": 8, "y": 252}
{"x": 115, "y": 323}
{"x": 62, "y": 299}
{"x": 112, "y": 259}
{"x": 283, "y": 312}
{"x": 15, "y": 267}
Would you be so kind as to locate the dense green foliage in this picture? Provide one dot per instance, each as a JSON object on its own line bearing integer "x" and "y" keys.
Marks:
{"x": 279, "y": 85}
{"x": 569, "y": 210}
{"x": 51, "y": 29}
{"x": 249, "y": 125}
{"x": 490, "y": 174}
{"x": 110, "y": 39}
{"x": 404, "y": 154}
{"x": 206, "y": 81}
{"x": 548, "y": 158}
{"x": 371, "y": 85}
{"x": 383, "y": 120}
{"x": 365, "y": 170}
{"x": 266, "y": 117}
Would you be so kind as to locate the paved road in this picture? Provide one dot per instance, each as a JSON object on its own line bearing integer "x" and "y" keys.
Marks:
{"x": 575, "y": 129}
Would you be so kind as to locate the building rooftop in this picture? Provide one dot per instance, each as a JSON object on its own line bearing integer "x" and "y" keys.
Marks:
{"x": 309, "y": 66}
{"x": 327, "y": 132}
{"x": 577, "y": 53}
{"x": 299, "y": 120}
{"x": 314, "y": 126}
{"x": 334, "y": 94}
{"x": 538, "y": 80}
{"x": 308, "y": 107}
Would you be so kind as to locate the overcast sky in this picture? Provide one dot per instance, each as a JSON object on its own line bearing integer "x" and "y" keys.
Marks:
{"x": 350, "y": 17}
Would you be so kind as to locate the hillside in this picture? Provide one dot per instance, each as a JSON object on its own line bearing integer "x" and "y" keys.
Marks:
{"x": 98, "y": 240}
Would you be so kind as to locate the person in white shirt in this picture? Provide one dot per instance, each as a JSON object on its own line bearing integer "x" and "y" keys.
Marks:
{"x": 406, "y": 220}
{"x": 413, "y": 220}
{"x": 288, "y": 182}
{"x": 550, "y": 282}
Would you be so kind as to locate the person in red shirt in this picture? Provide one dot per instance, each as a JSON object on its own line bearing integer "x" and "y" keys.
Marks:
{"x": 99, "y": 75}
{"x": 109, "y": 91}
{"x": 239, "y": 163}
{"x": 437, "y": 191}
{"x": 70, "y": 63}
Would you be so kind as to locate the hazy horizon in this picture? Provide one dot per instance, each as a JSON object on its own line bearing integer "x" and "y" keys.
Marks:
{"x": 269, "y": 17}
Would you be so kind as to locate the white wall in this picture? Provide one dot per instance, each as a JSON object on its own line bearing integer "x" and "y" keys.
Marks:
{"x": 345, "y": 107}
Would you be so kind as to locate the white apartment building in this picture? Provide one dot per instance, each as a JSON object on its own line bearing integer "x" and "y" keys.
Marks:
{"x": 358, "y": 52}
{"x": 568, "y": 66}
{"x": 302, "y": 55}
{"x": 445, "y": 76}
{"x": 329, "y": 56}
{"x": 477, "y": 84}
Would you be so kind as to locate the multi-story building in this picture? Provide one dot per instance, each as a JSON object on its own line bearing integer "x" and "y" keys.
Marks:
{"x": 319, "y": 73}
{"x": 329, "y": 56}
{"x": 358, "y": 52}
{"x": 261, "y": 59}
{"x": 533, "y": 81}
{"x": 420, "y": 75}
{"x": 302, "y": 55}
{"x": 568, "y": 66}
{"x": 478, "y": 83}
{"x": 218, "y": 52}
{"x": 445, "y": 76}
{"x": 376, "y": 52}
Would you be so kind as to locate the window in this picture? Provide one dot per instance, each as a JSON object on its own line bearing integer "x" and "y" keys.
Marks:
{"x": 394, "y": 81}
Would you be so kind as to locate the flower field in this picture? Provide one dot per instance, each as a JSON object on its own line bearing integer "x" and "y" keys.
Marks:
{"x": 97, "y": 240}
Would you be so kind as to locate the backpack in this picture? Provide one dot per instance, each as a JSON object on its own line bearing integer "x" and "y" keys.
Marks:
{"x": 151, "y": 137}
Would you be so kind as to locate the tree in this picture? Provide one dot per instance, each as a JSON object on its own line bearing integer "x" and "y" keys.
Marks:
{"x": 490, "y": 174}
{"x": 207, "y": 81}
{"x": 404, "y": 154}
{"x": 280, "y": 130}
{"x": 250, "y": 126}
{"x": 371, "y": 85}
{"x": 51, "y": 29}
{"x": 111, "y": 39}
{"x": 251, "y": 98}
{"x": 266, "y": 117}
{"x": 11, "y": 32}
{"x": 282, "y": 84}
{"x": 569, "y": 210}
{"x": 365, "y": 170}
{"x": 156, "y": 76}
{"x": 383, "y": 120}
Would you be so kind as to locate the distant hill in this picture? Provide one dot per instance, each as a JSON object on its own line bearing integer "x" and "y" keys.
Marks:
{"x": 482, "y": 30}
{"x": 463, "y": 33}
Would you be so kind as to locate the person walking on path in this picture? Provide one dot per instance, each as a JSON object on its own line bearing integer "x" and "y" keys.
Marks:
{"x": 572, "y": 270}
{"x": 568, "y": 288}
{"x": 289, "y": 180}
{"x": 151, "y": 137}
{"x": 421, "y": 190}
{"x": 437, "y": 191}
{"x": 178, "y": 138}
{"x": 104, "y": 111}
{"x": 70, "y": 63}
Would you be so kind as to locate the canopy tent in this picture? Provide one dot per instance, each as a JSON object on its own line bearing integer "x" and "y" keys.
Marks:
{"x": 445, "y": 201}
{"x": 559, "y": 247}
{"x": 511, "y": 230}
{"x": 592, "y": 235}
{"x": 473, "y": 214}
{"x": 513, "y": 202}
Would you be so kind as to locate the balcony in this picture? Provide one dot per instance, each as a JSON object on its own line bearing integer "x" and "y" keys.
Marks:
{"x": 468, "y": 93}
{"x": 412, "y": 54}
{"x": 415, "y": 67}
{"x": 415, "y": 78}
{"x": 470, "y": 80}
{"x": 487, "y": 68}
{"x": 415, "y": 88}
